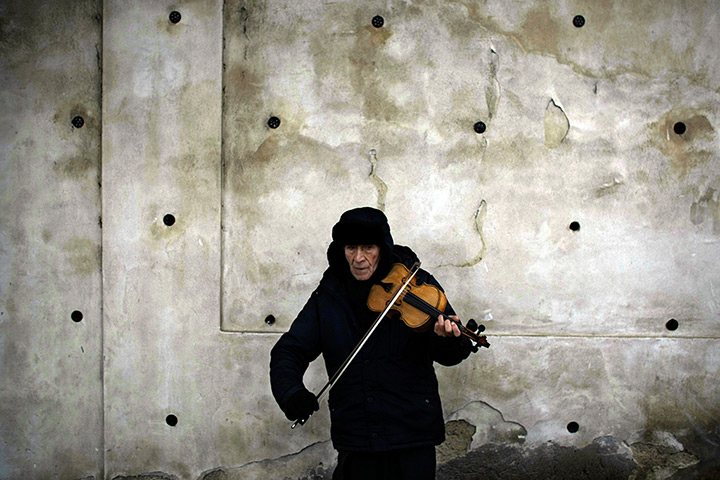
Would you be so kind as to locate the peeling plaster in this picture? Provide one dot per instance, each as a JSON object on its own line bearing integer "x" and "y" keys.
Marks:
{"x": 557, "y": 124}
{"x": 659, "y": 455}
{"x": 491, "y": 426}
{"x": 604, "y": 459}
{"x": 458, "y": 437}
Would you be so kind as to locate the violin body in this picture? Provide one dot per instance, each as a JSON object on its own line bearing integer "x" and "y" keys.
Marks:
{"x": 418, "y": 305}
{"x": 381, "y": 293}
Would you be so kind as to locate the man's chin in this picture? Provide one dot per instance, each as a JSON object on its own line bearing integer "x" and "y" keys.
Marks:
{"x": 361, "y": 274}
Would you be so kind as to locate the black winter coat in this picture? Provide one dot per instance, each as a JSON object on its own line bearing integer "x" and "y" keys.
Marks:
{"x": 388, "y": 397}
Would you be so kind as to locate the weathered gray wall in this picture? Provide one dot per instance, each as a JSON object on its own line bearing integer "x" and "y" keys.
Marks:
{"x": 580, "y": 127}
{"x": 51, "y": 391}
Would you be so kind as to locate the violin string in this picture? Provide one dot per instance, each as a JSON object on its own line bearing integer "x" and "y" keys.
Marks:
{"x": 417, "y": 302}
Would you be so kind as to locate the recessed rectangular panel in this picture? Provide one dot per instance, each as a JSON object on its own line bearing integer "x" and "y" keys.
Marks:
{"x": 547, "y": 196}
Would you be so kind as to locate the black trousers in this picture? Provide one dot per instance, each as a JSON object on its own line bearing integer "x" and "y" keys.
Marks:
{"x": 408, "y": 464}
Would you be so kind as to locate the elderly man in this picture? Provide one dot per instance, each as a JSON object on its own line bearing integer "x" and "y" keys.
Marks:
{"x": 385, "y": 411}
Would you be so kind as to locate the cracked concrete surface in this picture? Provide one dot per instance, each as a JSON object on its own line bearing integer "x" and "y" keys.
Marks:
{"x": 610, "y": 127}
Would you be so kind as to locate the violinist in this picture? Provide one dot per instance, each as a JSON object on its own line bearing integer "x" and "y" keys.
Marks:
{"x": 385, "y": 411}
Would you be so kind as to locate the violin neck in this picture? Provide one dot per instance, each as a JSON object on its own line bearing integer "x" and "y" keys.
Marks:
{"x": 417, "y": 302}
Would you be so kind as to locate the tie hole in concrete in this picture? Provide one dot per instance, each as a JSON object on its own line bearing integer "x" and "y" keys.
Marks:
{"x": 171, "y": 420}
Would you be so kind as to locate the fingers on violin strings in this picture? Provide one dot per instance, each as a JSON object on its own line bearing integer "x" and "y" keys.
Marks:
{"x": 456, "y": 330}
{"x": 440, "y": 327}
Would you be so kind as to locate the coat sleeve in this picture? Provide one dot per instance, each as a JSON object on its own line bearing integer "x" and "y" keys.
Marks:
{"x": 448, "y": 351}
{"x": 293, "y": 352}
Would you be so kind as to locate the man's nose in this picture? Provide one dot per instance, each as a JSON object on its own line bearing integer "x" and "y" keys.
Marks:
{"x": 359, "y": 256}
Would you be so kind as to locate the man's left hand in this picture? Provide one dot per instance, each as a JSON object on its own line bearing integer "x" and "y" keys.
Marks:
{"x": 447, "y": 328}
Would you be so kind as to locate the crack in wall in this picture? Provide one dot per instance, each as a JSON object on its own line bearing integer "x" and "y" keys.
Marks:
{"x": 492, "y": 91}
{"x": 609, "y": 187}
{"x": 380, "y": 186}
{"x": 147, "y": 476}
{"x": 313, "y": 461}
{"x": 478, "y": 222}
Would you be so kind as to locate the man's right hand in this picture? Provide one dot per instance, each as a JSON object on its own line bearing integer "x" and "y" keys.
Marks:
{"x": 301, "y": 405}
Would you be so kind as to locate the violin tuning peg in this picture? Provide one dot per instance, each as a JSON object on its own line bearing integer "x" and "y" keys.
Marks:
{"x": 472, "y": 325}
{"x": 481, "y": 328}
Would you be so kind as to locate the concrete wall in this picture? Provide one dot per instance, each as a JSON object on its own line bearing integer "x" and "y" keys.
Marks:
{"x": 559, "y": 175}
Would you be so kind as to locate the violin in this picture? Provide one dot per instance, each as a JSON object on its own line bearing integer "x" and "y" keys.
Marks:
{"x": 418, "y": 305}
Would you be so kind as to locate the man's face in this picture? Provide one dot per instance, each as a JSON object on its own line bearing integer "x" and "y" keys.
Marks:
{"x": 363, "y": 260}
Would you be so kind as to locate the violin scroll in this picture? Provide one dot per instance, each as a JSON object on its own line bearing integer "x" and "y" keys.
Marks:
{"x": 470, "y": 332}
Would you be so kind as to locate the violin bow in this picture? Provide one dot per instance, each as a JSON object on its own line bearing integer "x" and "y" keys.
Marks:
{"x": 362, "y": 342}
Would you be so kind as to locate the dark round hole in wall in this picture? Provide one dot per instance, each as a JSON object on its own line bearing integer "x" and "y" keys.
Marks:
{"x": 175, "y": 17}
{"x": 679, "y": 128}
{"x": 672, "y": 325}
{"x": 270, "y": 319}
{"x": 574, "y": 226}
{"x": 573, "y": 427}
{"x": 169, "y": 220}
{"x": 378, "y": 21}
{"x": 273, "y": 122}
{"x": 171, "y": 420}
{"x": 76, "y": 316}
{"x": 578, "y": 21}
{"x": 479, "y": 127}
{"x": 78, "y": 121}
